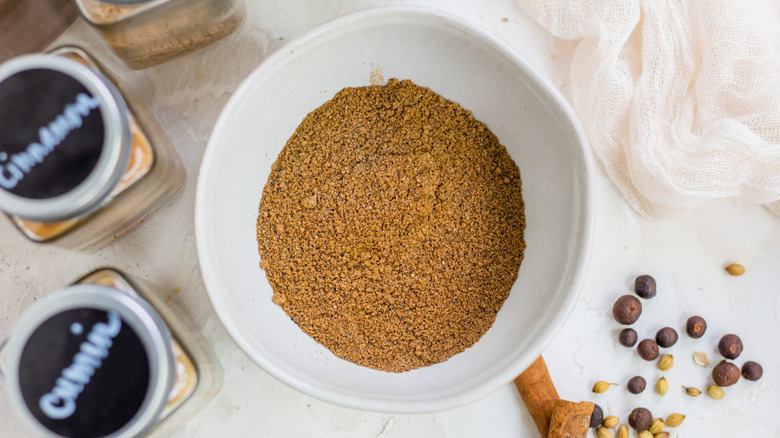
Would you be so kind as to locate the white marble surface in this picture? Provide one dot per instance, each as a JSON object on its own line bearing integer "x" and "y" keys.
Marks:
{"x": 686, "y": 255}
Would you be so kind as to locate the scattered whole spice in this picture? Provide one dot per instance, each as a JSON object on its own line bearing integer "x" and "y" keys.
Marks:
{"x": 716, "y": 392}
{"x": 648, "y": 349}
{"x": 415, "y": 235}
{"x": 656, "y": 426}
{"x": 644, "y": 434}
{"x": 666, "y": 362}
{"x": 674, "y": 420}
{"x": 701, "y": 358}
{"x": 596, "y": 417}
{"x": 602, "y": 386}
{"x": 644, "y": 286}
{"x": 662, "y": 386}
{"x": 696, "y": 326}
{"x": 610, "y": 421}
{"x": 627, "y": 337}
{"x": 693, "y": 392}
{"x": 725, "y": 374}
{"x": 752, "y": 371}
{"x": 730, "y": 346}
{"x": 640, "y": 419}
{"x": 661, "y": 435}
{"x": 636, "y": 384}
{"x": 603, "y": 432}
{"x": 666, "y": 337}
{"x": 622, "y": 431}
{"x": 735, "y": 269}
{"x": 627, "y": 309}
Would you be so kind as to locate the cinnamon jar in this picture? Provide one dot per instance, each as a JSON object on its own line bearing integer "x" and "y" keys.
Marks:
{"x": 144, "y": 33}
{"x": 82, "y": 162}
{"x": 104, "y": 357}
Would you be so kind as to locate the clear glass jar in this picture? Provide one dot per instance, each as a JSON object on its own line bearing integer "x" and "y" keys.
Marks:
{"x": 144, "y": 33}
{"x": 28, "y": 26}
{"x": 69, "y": 174}
{"x": 104, "y": 357}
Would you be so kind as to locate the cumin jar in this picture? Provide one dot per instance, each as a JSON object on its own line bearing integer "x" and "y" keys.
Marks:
{"x": 82, "y": 162}
{"x": 104, "y": 357}
{"x": 144, "y": 33}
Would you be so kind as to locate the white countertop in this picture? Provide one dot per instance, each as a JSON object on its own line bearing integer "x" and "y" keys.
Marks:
{"x": 685, "y": 255}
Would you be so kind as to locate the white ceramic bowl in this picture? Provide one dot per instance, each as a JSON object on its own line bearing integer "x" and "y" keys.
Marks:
{"x": 463, "y": 64}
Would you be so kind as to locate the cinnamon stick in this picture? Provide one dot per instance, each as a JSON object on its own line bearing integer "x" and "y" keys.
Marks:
{"x": 538, "y": 393}
{"x": 570, "y": 420}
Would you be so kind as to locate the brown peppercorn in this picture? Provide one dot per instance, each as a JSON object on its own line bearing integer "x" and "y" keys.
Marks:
{"x": 596, "y": 416}
{"x": 627, "y": 337}
{"x": 627, "y": 309}
{"x": 636, "y": 384}
{"x": 752, "y": 371}
{"x": 730, "y": 346}
{"x": 644, "y": 286}
{"x": 648, "y": 349}
{"x": 666, "y": 337}
{"x": 696, "y": 326}
{"x": 725, "y": 374}
{"x": 640, "y": 419}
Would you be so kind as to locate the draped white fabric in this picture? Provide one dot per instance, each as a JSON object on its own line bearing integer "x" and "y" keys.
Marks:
{"x": 680, "y": 98}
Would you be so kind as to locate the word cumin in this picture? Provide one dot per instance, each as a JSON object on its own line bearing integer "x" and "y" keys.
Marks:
{"x": 391, "y": 226}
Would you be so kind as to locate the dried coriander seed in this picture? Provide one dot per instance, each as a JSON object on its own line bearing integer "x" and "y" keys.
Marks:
{"x": 674, "y": 420}
{"x": 644, "y": 434}
{"x": 693, "y": 392}
{"x": 735, "y": 269}
{"x": 716, "y": 392}
{"x": 602, "y": 386}
{"x": 622, "y": 431}
{"x": 662, "y": 386}
{"x": 656, "y": 426}
{"x": 603, "y": 432}
{"x": 701, "y": 358}
{"x": 610, "y": 421}
{"x": 661, "y": 435}
{"x": 666, "y": 362}
{"x": 696, "y": 326}
{"x": 730, "y": 346}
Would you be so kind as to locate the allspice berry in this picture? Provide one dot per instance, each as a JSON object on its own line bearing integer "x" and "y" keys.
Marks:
{"x": 648, "y": 349}
{"x": 627, "y": 309}
{"x": 752, "y": 371}
{"x": 644, "y": 286}
{"x": 696, "y": 326}
{"x": 596, "y": 417}
{"x": 725, "y": 374}
{"x": 627, "y": 337}
{"x": 636, "y": 384}
{"x": 730, "y": 346}
{"x": 640, "y": 419}
{"x": 666, "y": 337}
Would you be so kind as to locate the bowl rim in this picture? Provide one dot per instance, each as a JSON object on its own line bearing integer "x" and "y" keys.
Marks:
{"x": 581, "y": 258}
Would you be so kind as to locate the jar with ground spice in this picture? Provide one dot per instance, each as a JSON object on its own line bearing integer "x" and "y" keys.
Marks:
{"x": 82, "y": 162}
{"x": 149, "y": 32}
{"x": 18, "y": 18}
{"x": 104, "y": 357}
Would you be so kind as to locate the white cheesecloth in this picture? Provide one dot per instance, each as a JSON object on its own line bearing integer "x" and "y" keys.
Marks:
{"x": 680, "y": 98}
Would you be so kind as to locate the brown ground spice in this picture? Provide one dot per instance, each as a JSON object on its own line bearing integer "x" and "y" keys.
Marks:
{"x": 391, "y": 226}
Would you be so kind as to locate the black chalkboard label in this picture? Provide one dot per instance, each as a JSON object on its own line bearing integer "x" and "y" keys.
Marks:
{"x": 84, "y": 373}
{"x": 51, "y": 133}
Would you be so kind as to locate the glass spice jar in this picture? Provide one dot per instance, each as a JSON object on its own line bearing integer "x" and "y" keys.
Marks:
{"x": 145, "y": 33}
{"x": 82, "y": 162}
{"x": 104, "y": 357}
{"x": 28, "y": 26}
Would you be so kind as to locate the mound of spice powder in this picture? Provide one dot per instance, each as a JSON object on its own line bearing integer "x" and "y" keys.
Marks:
{"x": 391, "y": 226}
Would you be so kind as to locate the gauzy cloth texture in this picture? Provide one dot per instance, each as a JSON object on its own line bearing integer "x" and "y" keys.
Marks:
{"x": 680, "y": 98}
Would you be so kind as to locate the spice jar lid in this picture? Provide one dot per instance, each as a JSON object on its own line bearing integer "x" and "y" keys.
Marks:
{"x": 64, "y": 138}
{"x": 89, "y": 361}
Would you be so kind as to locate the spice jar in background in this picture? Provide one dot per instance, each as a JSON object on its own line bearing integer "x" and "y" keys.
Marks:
{"x": 104, "y": 357}
{"x": 28, "y": 26}
{"x": 144, "y": 33}
{"x": 82, "y": 162}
